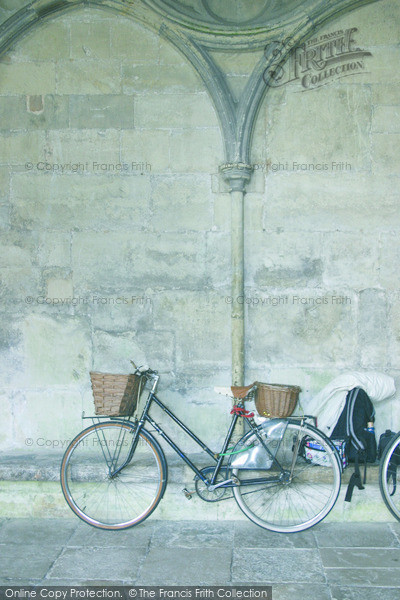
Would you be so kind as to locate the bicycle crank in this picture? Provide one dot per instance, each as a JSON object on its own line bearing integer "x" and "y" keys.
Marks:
{"x": 207, "y": 492}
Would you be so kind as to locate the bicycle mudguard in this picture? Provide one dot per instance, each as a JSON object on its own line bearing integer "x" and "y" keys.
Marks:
{"x": 257, "y": 456}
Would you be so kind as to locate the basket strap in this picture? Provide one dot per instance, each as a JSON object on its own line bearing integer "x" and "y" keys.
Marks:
{"x": 241, "y": 412}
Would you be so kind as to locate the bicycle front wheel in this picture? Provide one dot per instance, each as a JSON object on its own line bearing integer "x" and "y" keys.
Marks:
{"x": 292, "y": 492}
{"x": 91, "y": 486}
{"x": 388, "y": 476}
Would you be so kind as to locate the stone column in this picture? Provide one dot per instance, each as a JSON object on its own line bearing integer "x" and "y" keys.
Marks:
{"x": 237, "y": 175}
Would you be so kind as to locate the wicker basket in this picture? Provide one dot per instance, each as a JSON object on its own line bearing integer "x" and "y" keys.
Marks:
{"x": 115, "y": 395}
{"x": 275, "y": 400}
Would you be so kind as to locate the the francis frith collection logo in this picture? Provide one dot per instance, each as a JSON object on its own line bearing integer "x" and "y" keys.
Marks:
{"x": 316, "y": 62}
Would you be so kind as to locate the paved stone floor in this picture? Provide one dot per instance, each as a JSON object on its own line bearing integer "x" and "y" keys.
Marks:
{"x": 342, "y": 561}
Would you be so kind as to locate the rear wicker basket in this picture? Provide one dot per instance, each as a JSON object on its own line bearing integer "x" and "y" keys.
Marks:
{"x": 115, "y": 395}
{"x": 275, "y": 400}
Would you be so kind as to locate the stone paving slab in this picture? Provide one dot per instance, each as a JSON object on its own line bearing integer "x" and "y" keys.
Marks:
{"x": 332, "y": 561}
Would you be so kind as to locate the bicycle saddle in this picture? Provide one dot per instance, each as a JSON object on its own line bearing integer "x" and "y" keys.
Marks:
{"x": 235, "y": 391}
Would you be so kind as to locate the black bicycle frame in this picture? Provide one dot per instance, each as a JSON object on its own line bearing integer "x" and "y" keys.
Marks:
{"x": 217, "y": 457}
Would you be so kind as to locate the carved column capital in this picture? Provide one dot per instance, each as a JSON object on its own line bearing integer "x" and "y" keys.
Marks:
{"x": 237, "y": 175}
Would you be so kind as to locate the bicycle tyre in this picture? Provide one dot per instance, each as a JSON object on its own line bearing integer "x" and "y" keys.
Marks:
{"x": 390, "y": 496}
{"x": 287, "y": 505}
{"x": 113, "y": 502}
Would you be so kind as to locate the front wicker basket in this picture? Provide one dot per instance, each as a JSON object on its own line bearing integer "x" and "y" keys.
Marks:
{"x": 276, "y": 400}
{"x": 115, "y": 395}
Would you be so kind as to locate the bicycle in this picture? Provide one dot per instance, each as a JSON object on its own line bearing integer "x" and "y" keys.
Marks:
{"x": 114, "y": 473}
{"x": 389, "y": 462}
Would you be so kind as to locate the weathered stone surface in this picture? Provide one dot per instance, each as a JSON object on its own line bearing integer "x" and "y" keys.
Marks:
{"x": 283, "y": 260}
{"x": 175, "y": 111}
{"x": 302, "y": 327}
{"x": 85, "y": 76}
{"x": 181, "y": 203}
{"x": 333, "y": 201}
{"x": 82, "y": 199}
{"x": 22, "y": 148}
{"x": 135, "y": 262}
{"x": 91, "y": 39}
{"x": 146, "y": 78}
{"x": 17, "y": 116}
{"x": 339, "y": 124}
{"x": 373, "y": 329}
{"x": 27, "y": 78}
{"x": 62, "y": 408}
{"x": 133, "y": 43}
{"x": 101, "y": 112}
{"x": 209, "y": 140}
{"x": 351, "y": 258}
{"x": 55, "y": 45}
{"x": 146, "y": 150}
{"x": 385, "y": 159}
{"x": 58, "y": 350}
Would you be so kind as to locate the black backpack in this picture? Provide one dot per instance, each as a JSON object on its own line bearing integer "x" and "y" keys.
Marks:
{"x": 352, "y": 426}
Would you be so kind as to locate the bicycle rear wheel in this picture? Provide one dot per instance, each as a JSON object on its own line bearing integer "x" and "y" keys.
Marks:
{"x": 99, "y": 497}
{"x": 293, "y": 493}
{"x": 388, "y": 476}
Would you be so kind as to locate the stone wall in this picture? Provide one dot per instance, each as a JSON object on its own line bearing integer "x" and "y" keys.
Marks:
{"x": 115, "y": 225}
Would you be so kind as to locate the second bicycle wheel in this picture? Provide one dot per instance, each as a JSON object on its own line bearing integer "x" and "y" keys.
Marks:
{"x": 293, "y": 493}
{"x": 92, "y": 489}
{"x": 390, "y": 462}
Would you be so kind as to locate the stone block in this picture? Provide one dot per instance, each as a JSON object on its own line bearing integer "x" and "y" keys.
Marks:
{"x": 370, "y": 34}
{"x": 73, "y": 201}
{"x": 190, "y": 314}
{"x": 385, "y": 159}
{"x": 22, "y": 148}
{"x": 134, "y": 263}
{"x": 46, "y": 421}
{"x": 373, "y": 329}
{"x": 386, "y": 94}
{"x": 350, "y": 259}
{"x": 58, "y": 350}
{"x": 169, "y": 54}
{"x": 101, "y": 112}
{"x": 389, "y": 255}
{"x": 6, "y": 429}
{"x": 91, "y": 40}
{"x": 237, "y": 63}
{"x": 386, "y": 119}
{"x": 85, "y": 76}
{"x": 394, "y": 329}
{"x": 301, "y": 329}
{"x": 54, "y": 249}
{"x": 181, "y": 203}
{"x": 254, "y": 210}
{"x": 339, "y": 130}
{"x": 49, "y": 42}
{"x": 161, "y": 78}
{"x": 91, "y": 148}
{"x": 218, "y": 259}
{"x": 210, "y": 142}
{"x": 175, "y": 110}
{"x": 59, "y": 289}
{"x": 4, "y": 185}
{"x": 283, "y": 260}
{"x": 27, "y": 78}
{"x": 132, "y": 42}
{"x": 15, "y": 109}
{"x": 222, "y": 211}
{"x": 352, "y": 201}
{"x": 147, "y": 148}
{"x": 379, "y": 67}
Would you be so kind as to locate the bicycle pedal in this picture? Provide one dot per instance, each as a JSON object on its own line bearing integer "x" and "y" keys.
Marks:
{"x": 187, "y": 493}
